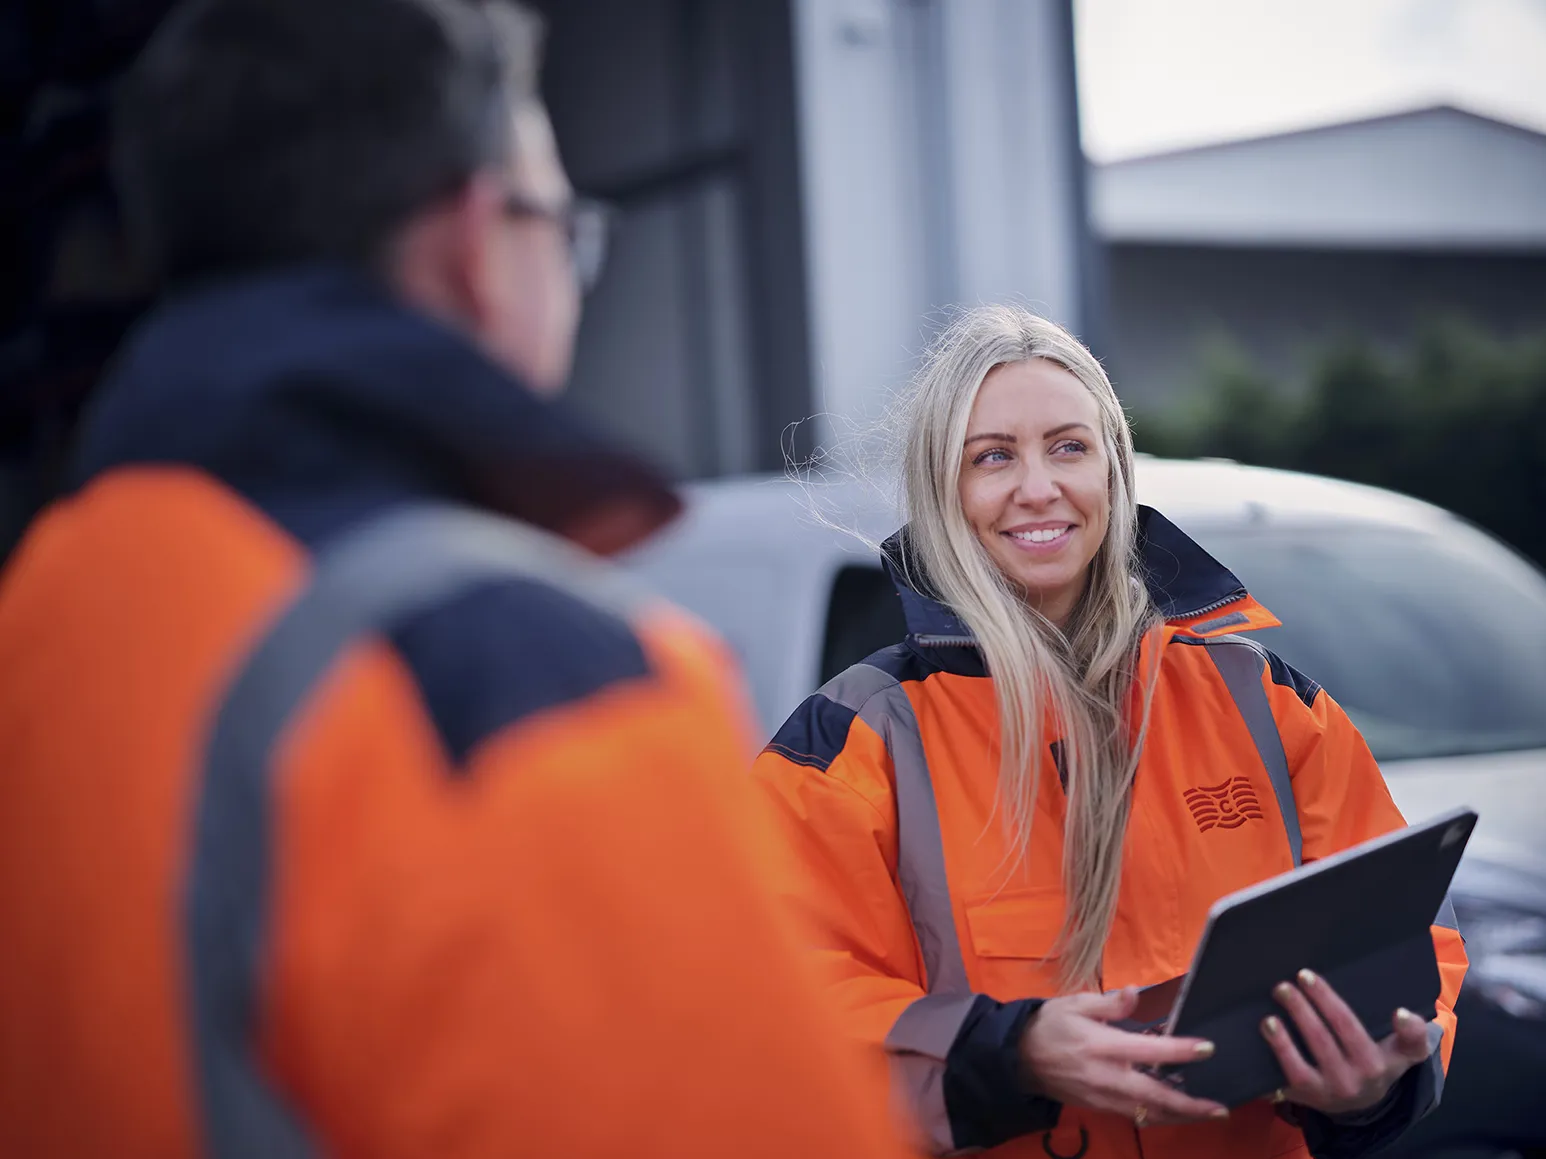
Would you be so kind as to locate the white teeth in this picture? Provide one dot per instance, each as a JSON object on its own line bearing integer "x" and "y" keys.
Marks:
{"x": 1041, "y": 534}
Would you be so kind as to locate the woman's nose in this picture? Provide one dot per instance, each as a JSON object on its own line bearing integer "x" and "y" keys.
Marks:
{"x": 1036, "y": 487}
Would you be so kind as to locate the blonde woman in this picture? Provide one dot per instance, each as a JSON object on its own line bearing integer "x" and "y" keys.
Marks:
{"x": 1010, "y": 821}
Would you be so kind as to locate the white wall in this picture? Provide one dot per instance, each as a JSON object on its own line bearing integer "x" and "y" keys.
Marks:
{"x": 940, "y": 166}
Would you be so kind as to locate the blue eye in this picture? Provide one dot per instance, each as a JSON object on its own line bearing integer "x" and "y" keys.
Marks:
{"x": 1070, "y": 446}
{"x": 997, "y": 455}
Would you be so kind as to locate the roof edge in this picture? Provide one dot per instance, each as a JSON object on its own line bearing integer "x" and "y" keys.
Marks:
{"x": 1322, "y": 127}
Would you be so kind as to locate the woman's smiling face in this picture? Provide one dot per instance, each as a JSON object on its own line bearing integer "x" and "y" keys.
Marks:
{"x": 1035, "y": 479}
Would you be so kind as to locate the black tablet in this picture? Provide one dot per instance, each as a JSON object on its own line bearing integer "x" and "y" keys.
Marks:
{"x": 1360, "y": 919}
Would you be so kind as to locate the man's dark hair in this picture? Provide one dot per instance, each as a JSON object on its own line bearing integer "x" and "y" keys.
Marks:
{"x": 253, "y": 133}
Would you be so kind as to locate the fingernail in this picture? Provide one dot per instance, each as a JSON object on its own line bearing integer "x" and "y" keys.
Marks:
{"x": 1272, "y": 1026}
{"x": 1205, "y": 1050}
{"x": 1282, "y": 991}
{"x": 1221, "y": 1113}
{"x": 1405, "y": 1015}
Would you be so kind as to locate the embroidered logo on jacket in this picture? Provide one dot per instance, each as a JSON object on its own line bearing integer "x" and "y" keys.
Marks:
{"x": 1225, "y": 806}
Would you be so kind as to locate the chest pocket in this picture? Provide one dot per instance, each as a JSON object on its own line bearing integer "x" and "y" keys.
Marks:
{"x": 1014, "y": 935}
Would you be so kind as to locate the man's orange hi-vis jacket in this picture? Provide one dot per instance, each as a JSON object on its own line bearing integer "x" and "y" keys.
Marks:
{"x": 517, "y": 903}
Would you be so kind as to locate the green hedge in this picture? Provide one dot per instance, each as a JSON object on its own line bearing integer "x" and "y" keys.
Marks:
{"x": 1459, "y": 420}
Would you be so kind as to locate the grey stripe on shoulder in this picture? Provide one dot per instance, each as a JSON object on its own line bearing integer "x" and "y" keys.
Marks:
{"x": 405, "y": 561}
{"x": 920, "y": 843}
{"x": 1240, "y": 663}
{"x": 877, "y": 697}
{"x": 854, "y": 686}
{"x": 817, "y": 731}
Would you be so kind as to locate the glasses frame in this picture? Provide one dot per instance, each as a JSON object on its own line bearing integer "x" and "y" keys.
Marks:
{"x": 586, "y": 224}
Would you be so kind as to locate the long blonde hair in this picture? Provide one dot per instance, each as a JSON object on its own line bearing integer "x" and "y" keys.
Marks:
{"x": 1084, "y": 674}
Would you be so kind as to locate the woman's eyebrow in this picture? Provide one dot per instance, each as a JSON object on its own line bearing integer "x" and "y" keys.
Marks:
{"x": 1004, "y": 437}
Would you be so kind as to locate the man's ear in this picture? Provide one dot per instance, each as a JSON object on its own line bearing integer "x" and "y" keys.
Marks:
{"x": 443, "y": 260}
{"x": 476, "y": 254}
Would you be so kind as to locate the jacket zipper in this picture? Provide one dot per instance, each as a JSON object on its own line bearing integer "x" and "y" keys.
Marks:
{"x": 945, "y": 641}
{"x": 1213, "y": 607}
{"x": 926, "y": 640}
{"x": 941, "y": 641}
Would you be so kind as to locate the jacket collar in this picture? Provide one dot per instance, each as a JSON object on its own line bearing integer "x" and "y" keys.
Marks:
{"x": 317, "y": 394}
{"x": 1196, "y": 595}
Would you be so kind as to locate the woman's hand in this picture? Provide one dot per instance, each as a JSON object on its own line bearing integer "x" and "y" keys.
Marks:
{"x": 1352, "y": 1072}
{"x": 1071, "y": 1055}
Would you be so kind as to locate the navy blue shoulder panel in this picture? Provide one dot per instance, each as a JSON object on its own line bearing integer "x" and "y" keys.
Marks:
{"x": 510, "y": 649}
{"x": 904, "y": 661}
{"x": 1286, "y": 676}
{"x": 814, "y": 733}
{"x": 492, "y": 656}
{"x": 817, "y": 731}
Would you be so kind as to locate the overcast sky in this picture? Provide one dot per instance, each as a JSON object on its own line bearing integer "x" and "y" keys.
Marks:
{"x": 1159, "y": 74}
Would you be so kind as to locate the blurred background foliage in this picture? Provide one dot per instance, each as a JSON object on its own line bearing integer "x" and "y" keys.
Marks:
{"x": 1458, "y": 419}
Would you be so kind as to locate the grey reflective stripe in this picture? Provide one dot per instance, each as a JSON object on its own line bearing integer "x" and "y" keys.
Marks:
{"x": 406, "y": 561}
{"x": 1435, "y": 1068}
{"x": 920, "y": 845}
{"x": 883, "y": 705}
{"x": 918, "y": 1043}
{"x": 1241, "y": 664}
{"x": 853, "y": 686}
{"x": 921, "y": 1037}
{"x": 1446, "y": 916}
{"x": 929, "y": 1026}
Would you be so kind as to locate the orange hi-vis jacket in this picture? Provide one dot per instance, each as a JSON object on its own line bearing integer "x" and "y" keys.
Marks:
{"x": 937, "y": 941}
{"x": 517, "y": 901}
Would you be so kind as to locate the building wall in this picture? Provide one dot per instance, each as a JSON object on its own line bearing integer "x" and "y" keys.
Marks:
{"x": 807, "y": 185}
{"x": 681, "y": 113}
{"x": 1168, "y": 303}
{"x": 941, "y": 167}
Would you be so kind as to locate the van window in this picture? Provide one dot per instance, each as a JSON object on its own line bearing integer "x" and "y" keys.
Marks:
{"x": 864, "y": 615}
{"x": 1434, "y": 643}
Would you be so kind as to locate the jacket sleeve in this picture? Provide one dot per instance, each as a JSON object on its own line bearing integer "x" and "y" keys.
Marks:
{"x": 952, "y": 1059}
{"x": 568, "y": 945}
{"x": 1341, "y": 799}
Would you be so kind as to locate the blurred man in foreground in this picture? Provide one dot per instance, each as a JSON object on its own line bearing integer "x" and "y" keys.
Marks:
{"x": 516, "y": 904}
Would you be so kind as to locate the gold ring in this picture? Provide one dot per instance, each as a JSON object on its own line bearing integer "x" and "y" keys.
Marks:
{"x": 1140, "y": 1116}
{"x": 1278, "y": 1096}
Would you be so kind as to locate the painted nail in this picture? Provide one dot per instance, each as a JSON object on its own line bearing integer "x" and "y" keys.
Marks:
{"x": 1221, "y": 1113}
{"x": 1405, "y": 1015}
{"x": 1282, "y": 991}
{"x": 1205, "y": 1050}
{"x": 1272, "y": 1026}
{"x": 1307, "y": 978}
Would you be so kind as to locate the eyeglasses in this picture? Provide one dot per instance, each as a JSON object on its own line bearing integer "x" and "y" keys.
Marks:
{"x": 586, "y": 223}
